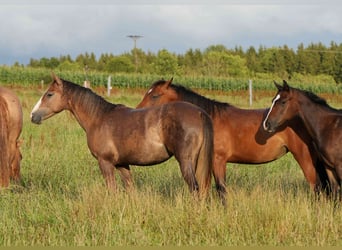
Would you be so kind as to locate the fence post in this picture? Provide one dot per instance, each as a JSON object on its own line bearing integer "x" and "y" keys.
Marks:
{"x": 250, "y": 93}
{"x": 109, "y": 87}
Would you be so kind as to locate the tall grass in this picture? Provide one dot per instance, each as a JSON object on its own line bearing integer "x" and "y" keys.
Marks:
{"x": 62, "y": 200}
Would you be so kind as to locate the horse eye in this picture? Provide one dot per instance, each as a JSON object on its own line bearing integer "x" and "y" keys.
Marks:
{"x": 155, "y": 96}
{"x": 49, "y": 94}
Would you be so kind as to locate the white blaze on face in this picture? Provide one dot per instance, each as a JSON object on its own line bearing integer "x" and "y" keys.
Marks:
{"x": 273, "y": 103}
{"x": 36, "y": 107}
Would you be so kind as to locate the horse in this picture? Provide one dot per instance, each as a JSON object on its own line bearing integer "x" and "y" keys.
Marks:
{"x": 322, "y": 122}
{"x": 119, "y": 136}
{"x": 239, "y": 136}
{"x": 11, "y": 123}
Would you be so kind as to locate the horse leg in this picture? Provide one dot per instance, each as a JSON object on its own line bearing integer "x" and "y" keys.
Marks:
{"x": 188, "y": 173}
{"x": 5, "y": 176}
{"x": 15, "y": 164}
{"x": 306, "y": 162}
{"x": 219, "y": 172}
{"x": 335, "y": 184}
{"x": 126, "y": 176}
{"x": 339, "y": 180}
{"x": 107, "y": 170}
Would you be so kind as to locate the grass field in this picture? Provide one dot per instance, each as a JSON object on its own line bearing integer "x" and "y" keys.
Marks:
{"x": 62, "y": 200}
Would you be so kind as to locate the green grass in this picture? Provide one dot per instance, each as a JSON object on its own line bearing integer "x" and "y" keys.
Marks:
{"x": 62, "y": 200}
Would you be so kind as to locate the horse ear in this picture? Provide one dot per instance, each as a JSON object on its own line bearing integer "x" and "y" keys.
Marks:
{"x": 279, "y": 87}
{"x": 168, "y": 83}
{"x": 285, "y": 86}
{"x": 56, "y": 79}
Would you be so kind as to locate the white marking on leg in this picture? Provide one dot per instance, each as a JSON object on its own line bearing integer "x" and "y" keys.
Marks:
{"x": 273, "y": 103}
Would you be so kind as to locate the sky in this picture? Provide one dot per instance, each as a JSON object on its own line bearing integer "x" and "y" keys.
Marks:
{"x": 70, "y": 27}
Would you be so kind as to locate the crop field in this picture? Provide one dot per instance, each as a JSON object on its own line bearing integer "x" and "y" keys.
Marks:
{"x": 62, "y": 200}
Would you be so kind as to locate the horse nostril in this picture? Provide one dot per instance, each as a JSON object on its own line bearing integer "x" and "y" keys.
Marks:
{"x": 267, "y": 124}
{"x": 35, "y": 118}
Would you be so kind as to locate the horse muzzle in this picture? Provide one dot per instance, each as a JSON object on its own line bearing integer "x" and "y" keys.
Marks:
{"x": 36, "y": 118}
{"x": 267, "y": 125}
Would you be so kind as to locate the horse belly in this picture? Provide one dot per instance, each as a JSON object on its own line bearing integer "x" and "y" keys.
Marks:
{"x": 256, "y": 154}
{"x": 242, "y": 149}
{"x": 241, "y": 136}
{"x": 144, "y": 155}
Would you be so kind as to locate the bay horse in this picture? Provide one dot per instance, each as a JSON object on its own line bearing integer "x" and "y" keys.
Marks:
{"x": 11, "y": 123}
{"x": 119, "y": 136}
{"x": 239, "y": 136}
{"x": 322, "y": 122}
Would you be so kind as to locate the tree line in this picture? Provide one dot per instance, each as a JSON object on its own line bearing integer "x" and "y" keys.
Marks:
{"x": 214, "y": 61}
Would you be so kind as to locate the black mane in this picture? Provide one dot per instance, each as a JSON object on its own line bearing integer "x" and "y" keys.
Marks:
{"x": 92, "y": 102}
{"x": 316, "y": 99}
{"x": 209, "y": 105}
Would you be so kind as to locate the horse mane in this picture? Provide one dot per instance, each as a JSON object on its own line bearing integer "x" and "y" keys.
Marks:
{"x": 93, "y": 103}
{"x": 316, "y": 99}
{"x": 209, "y": 105}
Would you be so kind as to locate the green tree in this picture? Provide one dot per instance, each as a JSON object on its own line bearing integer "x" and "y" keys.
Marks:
{"x": 87, "y": 60}
{"x": 192, "y": 61}
{"x": 69, "y": 66}
{"x": 103, "y": 61}
{"x": 289, "y": 57}
{"x": 216, "y": 48}
{"x": 166, "y": 63}
{"x": 337, "y": 70}
{"x": 120, "y": 64}
{"x": 217, "y": 63}
{"x": 252, "y": 61}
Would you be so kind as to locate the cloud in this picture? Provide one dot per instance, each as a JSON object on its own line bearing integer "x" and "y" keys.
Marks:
{"x": 34, "y": 31}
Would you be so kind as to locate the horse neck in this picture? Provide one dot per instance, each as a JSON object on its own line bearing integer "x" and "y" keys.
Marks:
{"x": 86, "y": 111}
{"x": 312, "y": 115}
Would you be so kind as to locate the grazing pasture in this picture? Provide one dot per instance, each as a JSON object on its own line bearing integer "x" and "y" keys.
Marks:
{"x": 63, "y": 198}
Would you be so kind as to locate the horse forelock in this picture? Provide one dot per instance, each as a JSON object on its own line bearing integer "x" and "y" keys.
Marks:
{"x": 209, "y": 105}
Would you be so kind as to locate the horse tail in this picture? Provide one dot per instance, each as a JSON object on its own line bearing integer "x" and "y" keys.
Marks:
{"x": 4, "y": 149}
{"x": 205, "y": 158}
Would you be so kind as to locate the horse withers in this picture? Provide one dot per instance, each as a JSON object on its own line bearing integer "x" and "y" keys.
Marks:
{"x": 119, "y": 136}
{"x": 239, "y": 136}
{"x": 322, "y": 122}
{"x": 11, "y": 123}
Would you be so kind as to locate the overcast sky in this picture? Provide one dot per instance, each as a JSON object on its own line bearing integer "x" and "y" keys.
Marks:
{"x": 70, "y": 28}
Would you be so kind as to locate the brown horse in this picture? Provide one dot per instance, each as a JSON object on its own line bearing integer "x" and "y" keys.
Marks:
{"x": 11, "y": 123}
{"x": 322, "y": 122}
{"x": 239, "y": 136}
{"x": 118, "y": 136}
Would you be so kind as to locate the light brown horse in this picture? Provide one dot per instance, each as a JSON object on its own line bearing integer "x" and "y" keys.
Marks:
{"x": 118, "y": 136}
{"x": 239, "y": 136}
{"x": 322, "y": 122}
{"x": 11, "y": 123}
